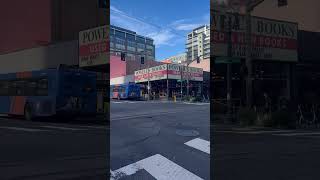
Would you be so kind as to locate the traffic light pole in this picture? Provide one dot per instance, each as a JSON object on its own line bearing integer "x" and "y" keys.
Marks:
{"x": 188, "y": 63}
{"x": 181, "y": 83}
{"x": 248, "y": 59}
{"x": 229, "y": 68}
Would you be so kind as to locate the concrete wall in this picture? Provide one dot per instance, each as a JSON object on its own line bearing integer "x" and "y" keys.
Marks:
{"x": 117, "y": 67}
{"x": 122, "y": 79}
{"x": 40, "y": 58}
{"x": 24, "y": 24}
{"x": 306, "y": 13}
{"x": 204, "y": 64}
{"x": 72, "y": 16}
{"x": 31, "y": 23}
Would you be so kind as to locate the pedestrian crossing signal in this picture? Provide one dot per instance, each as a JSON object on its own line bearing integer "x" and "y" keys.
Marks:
{"x": 123, "y": 57}
{"x": 142, "y": 60}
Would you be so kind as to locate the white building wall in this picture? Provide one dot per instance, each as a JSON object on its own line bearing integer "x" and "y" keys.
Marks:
{"x": 40, "y": 58}
{"x": 122, "y": 80}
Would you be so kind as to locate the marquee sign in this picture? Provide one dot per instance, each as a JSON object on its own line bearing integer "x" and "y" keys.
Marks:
{"x": 93, "y": 47}
{"x": 271, "y": 39}
{"x": 169, "y": 71}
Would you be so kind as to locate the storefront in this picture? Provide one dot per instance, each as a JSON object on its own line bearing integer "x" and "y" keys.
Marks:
{"x": 94, "y": 56}
{"x": 274, "y": 54}
{"x": 169, "y": 80}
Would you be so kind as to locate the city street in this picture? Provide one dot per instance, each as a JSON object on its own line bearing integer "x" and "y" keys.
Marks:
{"x": 159, "y": 140}
{"x": 264, "y": 154}
{"x": 52, "y": 150}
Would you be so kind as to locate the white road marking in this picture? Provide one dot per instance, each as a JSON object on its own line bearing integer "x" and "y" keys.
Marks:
{"x": 23, "y": 129}
{"x": 63, "y": 128}
{"x": 299, "y": 134}
{"x": 94, "y": 127}
{"x": 199, "y": 104}
{"x": 256, "y": 132}
{"x": 199, "y": 144}
{"x": 159, "y": 167}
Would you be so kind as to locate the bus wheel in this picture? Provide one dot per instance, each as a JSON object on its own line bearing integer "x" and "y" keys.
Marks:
{"x": 28, "y": 115}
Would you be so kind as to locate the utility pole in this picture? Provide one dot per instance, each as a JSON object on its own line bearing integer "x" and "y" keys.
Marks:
{"x": 248, "y": 58}
{"x": 229, "y": 67}
{"x": 181, "y": 82}
{"x": 167, "y": 84}
{"x": 188, "y": 75}
{"x": 148, "y": 81}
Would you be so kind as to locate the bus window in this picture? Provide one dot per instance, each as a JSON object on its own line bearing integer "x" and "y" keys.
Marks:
{"x": 42, "y": 89}
{"x": 4, "y": 88}
{"x": 30, "y": 88}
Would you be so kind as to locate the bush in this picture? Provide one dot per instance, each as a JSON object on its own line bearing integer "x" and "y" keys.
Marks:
{"x": 283, "y": 119}
{"x": 247, "y": 116}
{"x": 267, "y": 120}
{"x": 219, "y": 108}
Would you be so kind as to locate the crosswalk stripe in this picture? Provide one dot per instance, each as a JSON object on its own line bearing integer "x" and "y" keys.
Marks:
{"x": 158, "y": 166}
{"x": 63, "y": 128}
{"x": 23, "y": 129}
{"x": 199, "y": 144}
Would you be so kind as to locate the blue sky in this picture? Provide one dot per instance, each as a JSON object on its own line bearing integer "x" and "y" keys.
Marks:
{"x": 166, "y": 21}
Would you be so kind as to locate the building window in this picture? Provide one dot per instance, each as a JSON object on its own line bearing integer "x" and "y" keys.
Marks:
{"x": 120, "y": 34}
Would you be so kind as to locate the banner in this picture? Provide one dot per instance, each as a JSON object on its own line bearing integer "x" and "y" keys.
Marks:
{"x": 93, "y": 47}
{"x": 153, "y": 73}
{"x": 170, "y": 71}
{"x": 270, "y": 39}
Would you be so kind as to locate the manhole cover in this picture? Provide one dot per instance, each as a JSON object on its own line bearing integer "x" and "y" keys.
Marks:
{"x": 185, "y": 132}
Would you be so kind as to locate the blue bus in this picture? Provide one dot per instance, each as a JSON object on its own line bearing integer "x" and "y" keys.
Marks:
{"x": 125, "y": 91}
{"x": 64, "y": 91}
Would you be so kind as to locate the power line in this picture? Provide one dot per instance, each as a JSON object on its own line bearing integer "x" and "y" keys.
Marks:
{"x": 146, "y": 22}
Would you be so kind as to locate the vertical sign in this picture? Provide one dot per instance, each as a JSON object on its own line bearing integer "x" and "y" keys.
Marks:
{"x": 93, "y": 47}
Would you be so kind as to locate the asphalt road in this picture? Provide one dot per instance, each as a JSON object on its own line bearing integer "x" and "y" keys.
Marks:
{"x": 53, "y": 150}
{"x": 159, "y": 140}
{"x": 265, "y": 154}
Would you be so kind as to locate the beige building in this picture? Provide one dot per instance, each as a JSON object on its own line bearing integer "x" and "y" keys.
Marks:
{"x": 198, "y": 43}
{"x": 178, "y": 59}
{"x": 305, "y": 13}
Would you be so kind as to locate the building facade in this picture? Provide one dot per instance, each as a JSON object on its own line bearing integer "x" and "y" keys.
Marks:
{"x": 134, "y": 45}
{"x": 178, "y": 59}
{"x": 33, "y": 23}
{"x": 198, "y": 43}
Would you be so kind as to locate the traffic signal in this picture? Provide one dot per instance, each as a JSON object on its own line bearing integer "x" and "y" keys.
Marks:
{"x": 142, "y": 60}
{"x": 198, "y": 59}
{"x": 282, "y": 3}
{"x": 123, "y": 56}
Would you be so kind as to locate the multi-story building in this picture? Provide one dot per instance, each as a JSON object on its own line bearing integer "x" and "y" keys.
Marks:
{"x": 41, "y": 34}
{"x": 134, "y": 45}
{"x": 178, "y": 59}
{"x": 198, "y": 43}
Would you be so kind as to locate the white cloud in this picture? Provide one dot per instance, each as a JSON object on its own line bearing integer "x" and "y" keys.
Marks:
{"x": 161, "y": 36}
{"x": 190, "y": 24}
{"x": 169, "y": 35}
